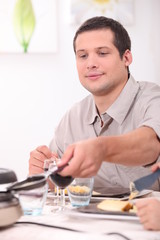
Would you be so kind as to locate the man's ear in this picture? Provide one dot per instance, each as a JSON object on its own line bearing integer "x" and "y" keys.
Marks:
{"x": 127, "y": 57}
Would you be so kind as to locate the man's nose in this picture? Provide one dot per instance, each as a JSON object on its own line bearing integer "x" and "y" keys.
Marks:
{"x": 92, "y": 63}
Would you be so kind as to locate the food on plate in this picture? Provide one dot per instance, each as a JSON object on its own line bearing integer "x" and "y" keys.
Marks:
{"x": 115, "y": 205}
{"x": 133, "y": 210}
{"x": 76, "y": 190}
{"x": 79, "y": 189}
{"x": 96, "y": 193}
{"x": 133, "y": 191}
{"x": 133, "y": 195}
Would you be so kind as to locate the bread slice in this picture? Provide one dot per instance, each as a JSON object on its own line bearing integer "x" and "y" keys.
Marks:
{"x": 115, "y": 205}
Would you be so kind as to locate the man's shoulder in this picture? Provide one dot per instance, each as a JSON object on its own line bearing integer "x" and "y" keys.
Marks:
{"x": 145, "y": 85}
{"x": 79, "y": 108}
{"x": 148, "y": 85}
{"x": 147, "y": 88}
{"x": 148, "y": 95}
{"x": 78, "y": 111}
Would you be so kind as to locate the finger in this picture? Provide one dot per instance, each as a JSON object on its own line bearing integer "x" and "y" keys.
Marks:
{"x": 140, "y": 204}
{"x": 155, "y": 167}
{"x": 38, "y": 163}
{"x": 148, "y": 226}
{"x": 37, "y": 155}
{"x": 143, "y": 218}
{"x": 67, "y": 156}
{"x": 140, "y": 213}
{"x": 34, "y": 170}
{"x": 54, "y": 154}
{"x": 72, "y": 169}
{"x": 77, "y": 168}
{"x": 65, "y": 172}
{"x": 45, "y": 151}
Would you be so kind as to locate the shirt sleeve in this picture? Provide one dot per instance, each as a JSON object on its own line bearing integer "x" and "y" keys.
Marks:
{"x": 149, "y": 108}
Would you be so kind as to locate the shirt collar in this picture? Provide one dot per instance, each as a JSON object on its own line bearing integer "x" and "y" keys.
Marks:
{"x": 91, "y": 112}
{"x": 119, "y": 109}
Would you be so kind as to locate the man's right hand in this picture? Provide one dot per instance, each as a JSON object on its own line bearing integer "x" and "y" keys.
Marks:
{"x": 37, "y": 158}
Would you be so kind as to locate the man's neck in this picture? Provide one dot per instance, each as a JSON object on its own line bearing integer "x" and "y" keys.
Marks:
{"x": 105, "y": 101}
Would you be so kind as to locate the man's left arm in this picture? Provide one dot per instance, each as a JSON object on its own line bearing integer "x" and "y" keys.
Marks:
{"x": 136, "y": 148}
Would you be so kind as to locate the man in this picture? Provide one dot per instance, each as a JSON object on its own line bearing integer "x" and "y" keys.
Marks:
{"x": 113, "y": 134}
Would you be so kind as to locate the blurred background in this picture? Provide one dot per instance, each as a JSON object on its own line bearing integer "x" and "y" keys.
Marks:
{"x": 37, "y": 88}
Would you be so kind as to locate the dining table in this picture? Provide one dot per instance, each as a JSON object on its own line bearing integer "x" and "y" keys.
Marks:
{"x": 77, "y": 224}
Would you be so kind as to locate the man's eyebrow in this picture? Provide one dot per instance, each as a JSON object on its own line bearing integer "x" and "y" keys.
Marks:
{"x": 108, "y": 48}
{"x": 80, "y": 50}
{"x": 97, "y": 48}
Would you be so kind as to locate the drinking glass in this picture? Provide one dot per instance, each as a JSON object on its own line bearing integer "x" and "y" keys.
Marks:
{"x": 80, "y": 191}
{"x": 62, "y": 183}
{"x": 46, "y": 167}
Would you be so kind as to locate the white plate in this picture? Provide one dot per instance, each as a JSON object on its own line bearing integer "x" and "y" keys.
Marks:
{"x": 75, "y": 213}
{"x": 143, "y": 193}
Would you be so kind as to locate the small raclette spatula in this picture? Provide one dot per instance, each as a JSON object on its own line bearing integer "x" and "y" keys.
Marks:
{"x": 143, "y": 183}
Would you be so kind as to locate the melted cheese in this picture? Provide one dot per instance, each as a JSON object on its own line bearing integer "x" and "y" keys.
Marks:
{"x": 115, "y": 205}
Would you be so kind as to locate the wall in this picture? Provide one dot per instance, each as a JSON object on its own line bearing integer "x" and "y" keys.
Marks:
{"x": 36, "y": 90}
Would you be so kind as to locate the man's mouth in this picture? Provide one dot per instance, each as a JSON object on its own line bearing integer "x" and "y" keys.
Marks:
{"x": 94, "y": 75}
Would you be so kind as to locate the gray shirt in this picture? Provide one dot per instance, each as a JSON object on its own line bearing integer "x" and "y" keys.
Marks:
{"x": 137, "y": 105}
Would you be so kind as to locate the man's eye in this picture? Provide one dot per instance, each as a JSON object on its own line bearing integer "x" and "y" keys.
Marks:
{"x": 103, "y": 53}
{"x": 83, "y": 56}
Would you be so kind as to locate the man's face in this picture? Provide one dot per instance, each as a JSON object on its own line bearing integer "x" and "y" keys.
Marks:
{"x": 101, "y": 70}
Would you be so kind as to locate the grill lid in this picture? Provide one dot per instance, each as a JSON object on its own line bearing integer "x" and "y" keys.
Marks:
{"x": 7, "y": 176}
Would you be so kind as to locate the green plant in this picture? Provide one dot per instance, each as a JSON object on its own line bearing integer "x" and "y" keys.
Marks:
{"x": 24, "y": 22}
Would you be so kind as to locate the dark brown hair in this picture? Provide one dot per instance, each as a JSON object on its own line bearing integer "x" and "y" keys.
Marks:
{"x": 121, "y": 38}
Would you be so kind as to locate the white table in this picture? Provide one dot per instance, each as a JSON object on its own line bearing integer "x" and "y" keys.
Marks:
{"x": 93, "y": 228}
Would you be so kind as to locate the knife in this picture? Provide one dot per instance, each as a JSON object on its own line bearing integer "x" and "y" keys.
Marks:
{"x": 143, "y": 183}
